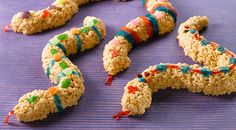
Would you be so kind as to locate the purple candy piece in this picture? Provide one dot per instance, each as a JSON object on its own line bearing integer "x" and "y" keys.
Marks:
{"x": 50, "y": 7}
{"x": 25, "y": 15}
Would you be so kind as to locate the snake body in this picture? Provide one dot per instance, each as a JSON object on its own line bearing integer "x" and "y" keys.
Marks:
{"x": 216, "y": 77}
{"x": 68, "y": 80}
{"x": 160, "y": 20}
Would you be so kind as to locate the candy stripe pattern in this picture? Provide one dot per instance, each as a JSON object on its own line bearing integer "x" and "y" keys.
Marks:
{"x": 36, "y": 105}
{"x": 161, "y": 20}
{"x": 216, "y": 77}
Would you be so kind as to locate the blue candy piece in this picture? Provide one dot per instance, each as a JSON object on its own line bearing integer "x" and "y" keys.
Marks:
{"x": 221, "y": 49}
{"x": 232, "y": 60}
{"x": 154, "y": 23}
{"x": 204, "y": 42}
{"x": 225, "y": 69}
{"x": 192, "y": 31}
{"x": 205, "y": 72}
{"x": 141, "y": 79}
{"x": 61, "y": 47}
{"x": 185, "y": 69}
{"x": 79, "y": 43}
{"x": 127, "y": 36}
{"x": 161, "y": 67}
{"x": 52, "y": 62}
{"x": 97, "y": 32}
{"x": 143, "y": 2}
{"x": 57, "y": 101}
{"x": 170, "y": 12}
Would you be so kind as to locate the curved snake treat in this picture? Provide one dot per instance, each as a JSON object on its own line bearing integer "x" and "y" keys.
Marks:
{"x": 161, "y": 20}
{"x": 216, "y": 77}
{"x": 36, "y": 105}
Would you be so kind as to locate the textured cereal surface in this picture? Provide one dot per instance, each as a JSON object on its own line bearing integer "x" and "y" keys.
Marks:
{"x": 114, "y": 64}
{"x": 29, "y": 111}
{"x": 217, "y": 80}
{"x": 57, "y": 16}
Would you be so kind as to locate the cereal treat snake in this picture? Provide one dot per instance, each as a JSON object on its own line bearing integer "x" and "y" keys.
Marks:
{"x": 55, "y": 15}
{"x": 161, "y": 20}
{"x": 36, "y": 105}
{"x": 216, "y": 76}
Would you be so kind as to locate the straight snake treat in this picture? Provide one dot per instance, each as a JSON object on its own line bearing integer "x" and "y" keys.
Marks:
{"x": 161, "y": 20}
{"x": 36, "y": 105}
{"x": 216, "y": 76}
{"x": 55, "y": 15}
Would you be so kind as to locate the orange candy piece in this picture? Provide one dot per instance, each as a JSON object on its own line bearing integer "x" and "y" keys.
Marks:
{"x": 45, "y": 13}
{"x": 74, "y": 31}
{"x": 52, "y": 90}
{"x": 57, "y": 57}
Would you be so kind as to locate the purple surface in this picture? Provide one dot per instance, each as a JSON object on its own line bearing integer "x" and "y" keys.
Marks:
{"x": 21, "y": 71}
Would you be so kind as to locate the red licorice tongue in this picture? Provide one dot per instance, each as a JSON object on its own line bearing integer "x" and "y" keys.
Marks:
{"x": 109, "y": 80}
{"x": 8, "y": 116}
{"x": 120, "y": 114}
{"x": 7, "y": 28}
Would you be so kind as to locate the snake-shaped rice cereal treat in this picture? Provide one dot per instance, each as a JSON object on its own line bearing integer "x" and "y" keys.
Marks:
{"x": 216, "y": 77}
{"x": 55, "y": 15}
{"x": 161, "y": 20}
{"x": 36, "y": 105}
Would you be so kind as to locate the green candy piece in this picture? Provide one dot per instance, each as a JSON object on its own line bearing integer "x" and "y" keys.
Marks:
{"x": 54, "y": 51}
{"x": 54, "y": 41}
{"x": 32, "y": 99}
{"x": 68, "y": 71}
{"x": 90, "y": 23}
{"x": 63, "y": 65}
{"x": 95, "y": 21}
{"x": 85, "y": 30}
{"x": 65, "y": 83}
{"x": 62, "y": 37}
{"x": 59, "y": 2}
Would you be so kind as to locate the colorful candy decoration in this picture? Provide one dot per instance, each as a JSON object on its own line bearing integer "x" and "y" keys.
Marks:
{"x": 161, "y": 20}
{"x": 30, "y": 22}
{"x": 216, "y": 77}
{"x": 36, "y": 105}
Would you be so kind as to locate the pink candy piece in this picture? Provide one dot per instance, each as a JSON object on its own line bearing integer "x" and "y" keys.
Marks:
{"x": 135, "y": 22}
{"x": 115, "y": 41}
{"x": 162, "y": 0}
{"x": 159, "y": 15}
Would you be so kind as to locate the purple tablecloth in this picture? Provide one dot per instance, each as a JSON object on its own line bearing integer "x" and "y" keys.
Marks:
{"x": 21, "y": 71}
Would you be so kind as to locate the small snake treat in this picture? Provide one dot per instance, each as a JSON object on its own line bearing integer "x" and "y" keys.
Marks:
{"x": 68, "y": 80}
{"x": 216, "y": 76}
{"x": 161, "y": 20}
{"x": 55, "y": 15}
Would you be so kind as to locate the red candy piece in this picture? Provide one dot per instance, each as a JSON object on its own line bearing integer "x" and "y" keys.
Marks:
{"x": 216, "y": 72}
{"x": 197, "y": 71}
{"x": 186, "y": 27}
{"x": 148, "y": 26}
{"x": 133, "y": 33}
{"x": 132, "y": 89}
{"x": 7, "y": 28}
{"x": 232, "y": 66}
{"x": 172, "y": 66}
{"x": 196, "y": 36}
{"x": 120, "y": 114}
{"x": 8, "y": 116}
{"x": 146, "y": 74}
{"x": 109, "y": 80}
{"x": 45, "y": 13}
{"x": 153, "y": 72}
{"x": 114, "y": 52}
